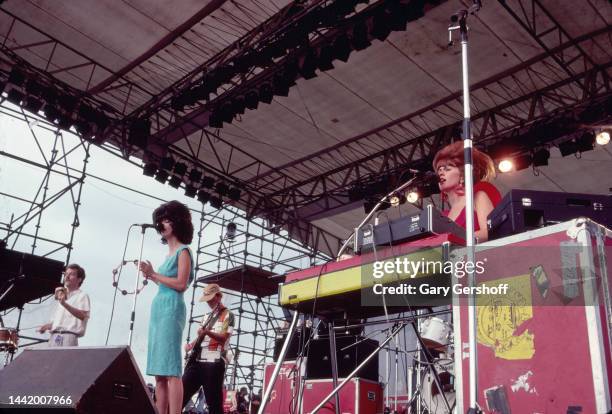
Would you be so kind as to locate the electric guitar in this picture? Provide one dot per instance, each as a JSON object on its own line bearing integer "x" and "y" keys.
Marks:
{"x": 192, "y": 356}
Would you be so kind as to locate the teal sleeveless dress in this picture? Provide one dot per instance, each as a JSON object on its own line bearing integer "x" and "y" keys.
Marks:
{"x": 167, "y": 322}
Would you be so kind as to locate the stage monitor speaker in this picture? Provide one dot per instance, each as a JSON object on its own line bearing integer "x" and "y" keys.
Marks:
{"x": 318, "y": 363}
{"x": 91, "y": 380}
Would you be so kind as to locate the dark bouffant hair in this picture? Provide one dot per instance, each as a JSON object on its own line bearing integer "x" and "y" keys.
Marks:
{"x": 79, "y": 270}
{"x": 180, "y": 216}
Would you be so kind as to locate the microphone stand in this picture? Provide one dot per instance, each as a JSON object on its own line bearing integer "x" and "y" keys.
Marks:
{"x": 355, "y": 233}
{"x": 143, "y": 229}
{"x": 459, "y": 22}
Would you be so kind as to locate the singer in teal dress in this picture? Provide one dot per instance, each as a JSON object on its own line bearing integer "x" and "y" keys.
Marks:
{"x": 168, "y": 312}
{"x": 167, "y": 323}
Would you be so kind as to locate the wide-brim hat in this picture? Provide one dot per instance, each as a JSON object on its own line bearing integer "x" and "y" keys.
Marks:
{"x": 209, "y": 292}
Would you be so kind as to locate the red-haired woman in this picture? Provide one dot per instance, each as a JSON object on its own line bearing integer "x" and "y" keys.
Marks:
{"x": 448, "y": 164}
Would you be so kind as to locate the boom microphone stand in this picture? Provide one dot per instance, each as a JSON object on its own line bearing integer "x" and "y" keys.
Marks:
{"x": 459, "y": 22}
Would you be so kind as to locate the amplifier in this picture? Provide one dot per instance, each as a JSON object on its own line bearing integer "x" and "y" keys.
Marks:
{"x": 415, "y": 226}
{"x": 523, "y": 210}
{"x": 318, "y": 363}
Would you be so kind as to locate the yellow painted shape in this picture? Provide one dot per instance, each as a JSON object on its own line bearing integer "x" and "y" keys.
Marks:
{"x": 499, "y": 316}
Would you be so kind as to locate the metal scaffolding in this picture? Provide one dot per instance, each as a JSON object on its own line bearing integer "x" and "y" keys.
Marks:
{"x": 61, "y": 168}
{"x": 248, "y": 265}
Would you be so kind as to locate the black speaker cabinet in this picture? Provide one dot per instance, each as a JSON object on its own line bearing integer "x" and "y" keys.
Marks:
{"x": 74, "y": 380}
{"x": 318, "y": 363}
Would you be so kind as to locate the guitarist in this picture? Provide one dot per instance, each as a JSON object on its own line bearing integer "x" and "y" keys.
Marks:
{"x": 207, "y": 359}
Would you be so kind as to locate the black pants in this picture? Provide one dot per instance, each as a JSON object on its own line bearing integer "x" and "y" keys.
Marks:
{"x": 209, "y": 376}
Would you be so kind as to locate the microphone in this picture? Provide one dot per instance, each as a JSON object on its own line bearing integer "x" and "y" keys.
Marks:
{"x": 145, "y": 225}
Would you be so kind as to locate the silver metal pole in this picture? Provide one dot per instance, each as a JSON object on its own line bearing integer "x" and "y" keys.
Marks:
{"x": 279, "y": 363}
{"x": 133, "y": 315}
{"x": 334, "y": 362}
{"x": 356, "y": 370}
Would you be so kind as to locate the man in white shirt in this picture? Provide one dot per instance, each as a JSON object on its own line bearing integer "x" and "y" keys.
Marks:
{"x": 70, "y": 318}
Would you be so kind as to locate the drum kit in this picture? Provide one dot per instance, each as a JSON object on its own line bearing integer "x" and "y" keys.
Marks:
{"x": 437, "y": 337}
{"x": 9, "y": 341}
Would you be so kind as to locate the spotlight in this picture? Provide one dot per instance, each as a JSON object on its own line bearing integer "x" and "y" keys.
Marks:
{"x": 34, "y": 88}
{"x": 222, "y": 188}
{"x": 83, "y": 128}
{"x": 195, "y": 175}
{"x": 522, "y": 161}
{"x": 208, "y": 182}
{"x": 67, "y": 103}
{"x": 17, "y": 77}
{"x": 51, "y": 113}
{"x": 203, "y": 196}
{"x": 230, "y": 231}
{"x": 161, "y": 176}
{"x": 308, "y": 65}
{"x": 265, "y": 93}
{"x": 251, "y": 99}
{"x": 190, "y": 191}
{"x": 360, "y": 36}
{"x": 180, "y": 168}
{"x": 33, "y": 104}
{"x": 280, "y": 84}
{"x": 396, "y": 199}
{"x": 216, "y": 202}
{"x": 238, "y": 105}
{"x": 214, "y": 120}
{"x": 167, "y": 163}
{"x": 226, "y": 112}
{"x": 149, "y": 169}
{"x": 568, "y": 148}
{"x": 602, "y": 138}
{"x": 15, "y": 97}
{"x": 342, "y": 48}
{"x": 64, "y": 122}
{"x": 540, "y": 157}
{"x": 175, "y": 181}
{"x": 586, "y": 142}
{"x": 355, "y": 193}
{"x": 412, "y": 197}
{"x": 326, "y": 55}
{"x": 234, "y": 194}
{"x": 505, "y": 166}
{"x": 138, "y": 133}
{"x": 380, "y": 25}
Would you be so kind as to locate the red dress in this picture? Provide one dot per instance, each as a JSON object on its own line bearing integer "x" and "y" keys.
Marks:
{"x": 493, "y": 194}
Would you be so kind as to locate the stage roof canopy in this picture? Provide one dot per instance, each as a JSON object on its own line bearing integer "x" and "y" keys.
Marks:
{"x": 539, "y": 74}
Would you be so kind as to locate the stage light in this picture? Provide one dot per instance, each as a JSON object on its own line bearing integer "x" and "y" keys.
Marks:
{"x": 522, "y": 162}
{"x": 222, "y": 188}
{"x": 355, "y": 193}
{"x": 190, "y": 190}
{"x": 308, "y": 65}
{"x": 265, "y": 93}
{"x": 505, "y": 166}
{"x": 342, "y": 48}
{"x": 16, "y": 77}
{"x": 230, "y": 231}
{"x": 251, "y": 99}
{"x": 167, "y": 163}
{"x": 175, "y": 181}
{"x": 568, "y": 148}
{"x": 180, "y": 168}
{"x": 33, "y": 88}
{"x": 15, "y": 97}
{"x": 195, "y": 175}
{"x": 326, "y": 55}
{"x": 138, "y": 133}
{"x": 412, "y": 197}
{"x": 208, "y": 182}
{"x": 234, "y": 194}
{"x": 396, "y": 200}
{"x": 161, "y": 176}
{"x": 238, "y": 105}
{"x": 214, "y": 120}
{"x": 380, "y": 25}
{"x": 602, "y": 137}
{"x": 586, "y": 142}
{"x": 281, "y": 84}
{"x": 149, "y": 169}
{"x": 226, "y": 112}
{"x": 64, "y": 122}
{"x": 216, "y": 202}
{"x": 51, "y": 113}
{"x": 540, "y": 157}
{"x": 67, "y": 103}
{"x": 33, "y": 104}
{"x": 203, "y": 196}
{"x": 360, "y": 36}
